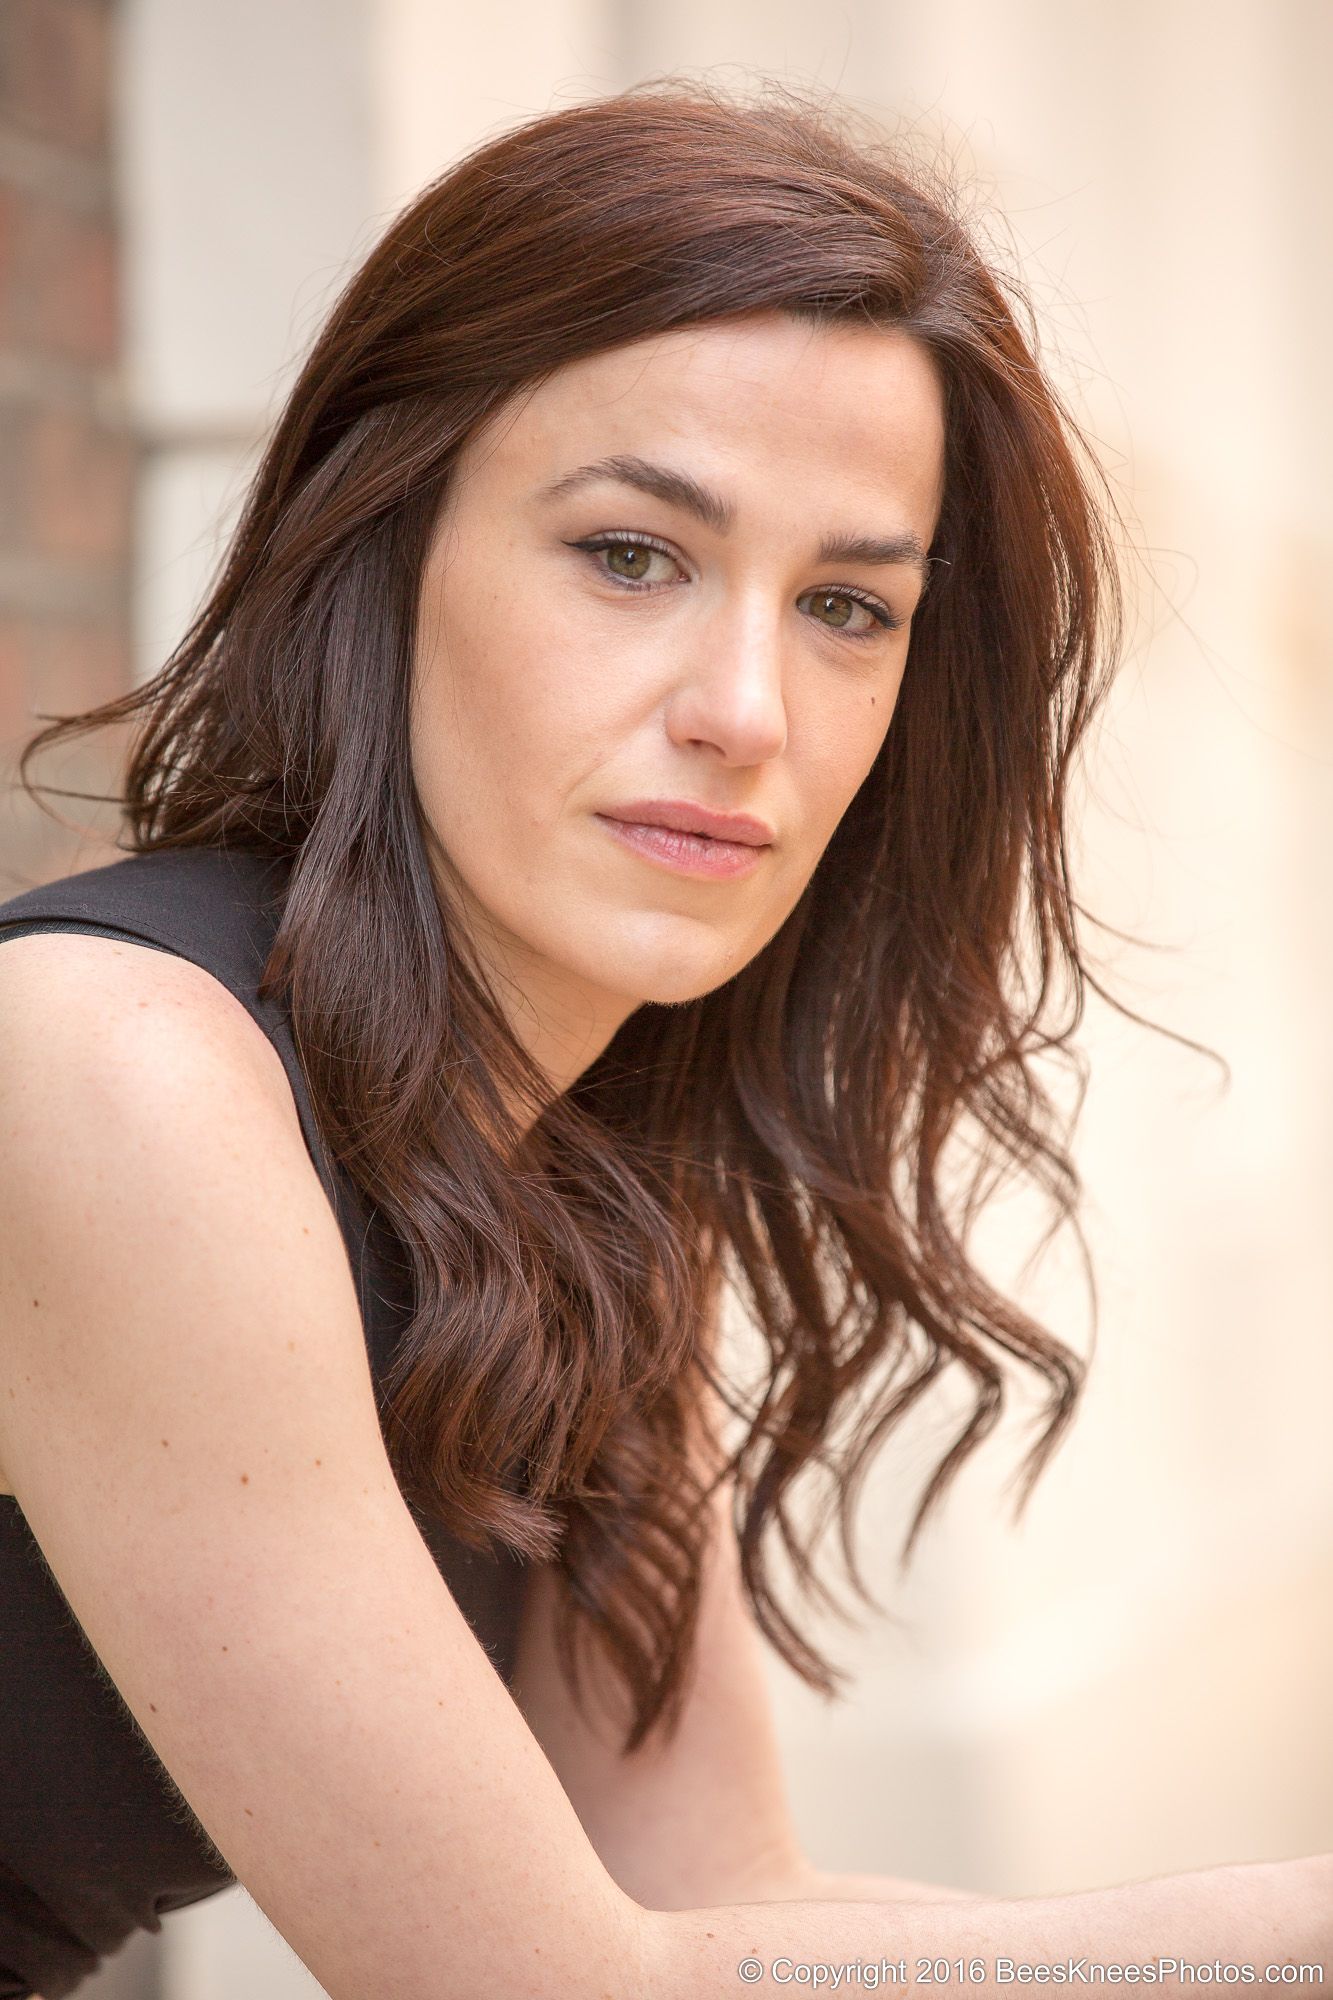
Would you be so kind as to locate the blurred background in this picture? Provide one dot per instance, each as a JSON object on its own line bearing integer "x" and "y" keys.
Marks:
{"x": 1134, "y": 1679}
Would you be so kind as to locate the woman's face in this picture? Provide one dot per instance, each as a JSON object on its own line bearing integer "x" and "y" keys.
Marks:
{"x": 707, "y": 651}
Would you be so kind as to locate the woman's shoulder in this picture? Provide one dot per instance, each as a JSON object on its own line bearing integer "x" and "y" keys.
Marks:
{"x": 210, "y": 903}
{"x": 169, "y": 937}
{"x": 129, "y": 1079}
{"x": 78, "y": 1000}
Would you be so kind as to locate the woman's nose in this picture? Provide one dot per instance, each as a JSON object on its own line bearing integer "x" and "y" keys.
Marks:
{"x": 730, "y": 691}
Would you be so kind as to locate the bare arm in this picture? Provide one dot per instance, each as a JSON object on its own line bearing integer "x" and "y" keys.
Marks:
{"x": 702, "y": 1818}
{"x": 700, "y": 1827}
{"x": 187, "y": 1417}
{"x": 699, "y": 1831}
{"x": 1255, "y": 1914}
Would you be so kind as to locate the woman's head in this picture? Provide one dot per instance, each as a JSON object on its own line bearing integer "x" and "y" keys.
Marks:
{"x": 625, "y": 600}
{"x": 584, "y": 1090}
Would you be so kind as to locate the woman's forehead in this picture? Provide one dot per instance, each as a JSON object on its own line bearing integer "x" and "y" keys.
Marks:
{"x": 854, "y": 404}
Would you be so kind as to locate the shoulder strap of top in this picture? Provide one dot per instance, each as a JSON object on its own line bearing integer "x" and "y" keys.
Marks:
{"x": 220, "y": 908}
{"x": 70, "y": 925}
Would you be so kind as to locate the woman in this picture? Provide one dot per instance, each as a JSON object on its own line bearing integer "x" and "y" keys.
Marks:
{"x": 532, "y": 918}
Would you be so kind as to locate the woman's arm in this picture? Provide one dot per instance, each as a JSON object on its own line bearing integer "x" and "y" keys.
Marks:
{"x": 188, "y": 1420}
{"x": 704, "y": 1818}
{"x": 1253, "y": 1916}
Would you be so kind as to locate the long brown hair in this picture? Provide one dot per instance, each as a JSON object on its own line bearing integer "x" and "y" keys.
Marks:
{"x": 787, "y": 1132}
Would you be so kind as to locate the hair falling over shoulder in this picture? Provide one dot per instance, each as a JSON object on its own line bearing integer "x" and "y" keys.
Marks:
{"x": 788, "y": 1133}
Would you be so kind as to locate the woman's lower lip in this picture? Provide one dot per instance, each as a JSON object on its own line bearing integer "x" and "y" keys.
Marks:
{"x": 685, "y": 853}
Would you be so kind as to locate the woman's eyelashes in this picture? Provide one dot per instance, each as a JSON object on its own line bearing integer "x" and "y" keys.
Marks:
{"x": 641, "y": 548}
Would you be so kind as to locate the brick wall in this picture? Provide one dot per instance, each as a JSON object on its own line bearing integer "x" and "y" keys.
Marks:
{"x": 67, "y": 451}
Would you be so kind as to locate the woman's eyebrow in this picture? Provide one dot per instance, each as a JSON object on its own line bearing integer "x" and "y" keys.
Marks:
{"x": 679, "y": 489}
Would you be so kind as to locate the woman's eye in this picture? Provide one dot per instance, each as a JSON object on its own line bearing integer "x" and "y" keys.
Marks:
{"x": 629, "y": 560}
{"x": 626, "y": 558}
{"x": 842, "y": 607}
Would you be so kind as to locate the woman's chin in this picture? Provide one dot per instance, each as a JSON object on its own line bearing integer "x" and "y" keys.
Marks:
{"x": 671, "y": 985}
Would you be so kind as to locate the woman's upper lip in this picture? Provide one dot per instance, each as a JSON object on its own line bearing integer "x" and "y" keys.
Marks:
{"x": 685, "y": 816}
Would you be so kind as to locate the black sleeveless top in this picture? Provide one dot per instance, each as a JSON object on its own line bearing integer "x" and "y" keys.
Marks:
{"x": 95, "y": 1840}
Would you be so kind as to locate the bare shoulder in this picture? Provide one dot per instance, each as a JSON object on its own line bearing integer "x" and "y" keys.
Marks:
{"x": 135, "y": 1089}
{"x": 188, "y": 1417}
{"x": 81, "y": 998}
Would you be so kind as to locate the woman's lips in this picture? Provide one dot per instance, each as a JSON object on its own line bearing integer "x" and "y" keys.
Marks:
{"x": 685, "y": 853}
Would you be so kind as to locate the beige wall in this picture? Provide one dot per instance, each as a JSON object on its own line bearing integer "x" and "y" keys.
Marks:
{"x": 1136, "y": 1679}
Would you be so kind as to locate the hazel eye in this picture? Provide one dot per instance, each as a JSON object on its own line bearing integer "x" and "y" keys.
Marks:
{"x": 633, "y": 552}
{"x": 877, "y": 619}
{"x": 628, "y": 559}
